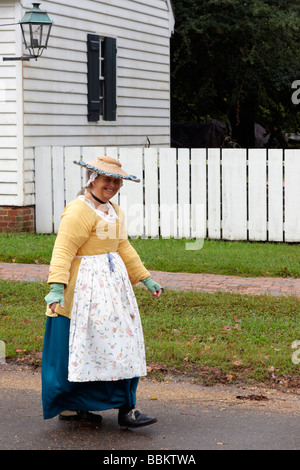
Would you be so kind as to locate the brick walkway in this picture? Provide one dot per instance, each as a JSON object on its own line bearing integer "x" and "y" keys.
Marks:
{"x": 176, "y": 281}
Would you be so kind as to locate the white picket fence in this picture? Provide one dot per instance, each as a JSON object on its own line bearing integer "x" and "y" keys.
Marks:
{"x": 230, "y": 194}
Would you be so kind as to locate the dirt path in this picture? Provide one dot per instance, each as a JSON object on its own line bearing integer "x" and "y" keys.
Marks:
{"x": 18, "y": 377}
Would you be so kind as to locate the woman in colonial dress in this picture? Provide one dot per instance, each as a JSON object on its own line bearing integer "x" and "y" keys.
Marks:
{"x": 93, "y": 353}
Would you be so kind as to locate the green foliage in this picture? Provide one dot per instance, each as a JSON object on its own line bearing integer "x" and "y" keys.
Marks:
{"x": 227, "y": 53}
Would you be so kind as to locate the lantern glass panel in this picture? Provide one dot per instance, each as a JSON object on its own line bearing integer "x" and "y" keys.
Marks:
{"x": 35, "y": 37}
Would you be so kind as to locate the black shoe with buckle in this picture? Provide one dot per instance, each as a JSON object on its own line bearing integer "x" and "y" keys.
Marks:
{"x": 80, "y": 416}
{"x": 135, "y": 419}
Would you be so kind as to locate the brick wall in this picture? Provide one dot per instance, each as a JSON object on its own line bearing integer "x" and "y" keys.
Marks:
{"x": 17, "y": 219}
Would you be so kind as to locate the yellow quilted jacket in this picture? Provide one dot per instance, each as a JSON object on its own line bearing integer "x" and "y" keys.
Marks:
{"x": 84, "y": 233}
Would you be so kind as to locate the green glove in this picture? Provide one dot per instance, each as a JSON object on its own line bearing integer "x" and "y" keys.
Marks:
{"x": 56, "y": 294}
{"x": 151, "y": 285}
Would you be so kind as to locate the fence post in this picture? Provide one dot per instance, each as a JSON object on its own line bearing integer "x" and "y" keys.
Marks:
{"x": 43, "y": 190}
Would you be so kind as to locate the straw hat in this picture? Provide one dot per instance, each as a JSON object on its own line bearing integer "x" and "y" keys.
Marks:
{"x": 108, "y": 166}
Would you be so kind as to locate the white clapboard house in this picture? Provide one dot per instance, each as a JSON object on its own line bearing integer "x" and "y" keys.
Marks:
{"x": 104, "y": 80}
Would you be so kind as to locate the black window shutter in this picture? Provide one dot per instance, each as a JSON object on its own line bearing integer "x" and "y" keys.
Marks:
{"x": 110, "y": 79}
{"x": 93, "y": 77}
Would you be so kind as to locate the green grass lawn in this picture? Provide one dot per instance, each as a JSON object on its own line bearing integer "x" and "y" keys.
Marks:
{"x": 215, "y": 336}
{"x": 231, "y": 336}
{"x": 219, "y": 257}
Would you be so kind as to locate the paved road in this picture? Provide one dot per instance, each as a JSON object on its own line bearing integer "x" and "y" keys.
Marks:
{"x": 190, "y": 417}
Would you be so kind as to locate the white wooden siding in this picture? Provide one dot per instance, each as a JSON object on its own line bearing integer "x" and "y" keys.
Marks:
{"x": 55, "y": 86}
{"x": 8, "y": 118}
{"x": 230, "y": 194}
{"x": 29, "y": 177}
{"x": 11, "y": 121}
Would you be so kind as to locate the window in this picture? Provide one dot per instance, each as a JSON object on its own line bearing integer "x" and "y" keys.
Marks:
{"x": 102, "y": 95}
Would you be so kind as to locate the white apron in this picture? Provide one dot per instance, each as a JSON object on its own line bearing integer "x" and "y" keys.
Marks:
{"x": 106, "y": 339}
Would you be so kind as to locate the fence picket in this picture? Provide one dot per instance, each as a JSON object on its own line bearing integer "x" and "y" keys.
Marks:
{"x": 43, "y": 190}
{"x": 131, "y": 195}
{"x": 198, "y": 193}
{"x": 275, "y": 195}
{"x": 89, "y": 154}
{"x": 168, "y": 192}
{"x": 111, "y": 152}
{"x": 184, "y": 193}
{"x": 151, "y": 193}
{"x": 234, "y": 196}
{"x": 58, "y": 185}
{"x": 292, "y": 196}
{"x": 73, "y": 173}
{"x": 184, "y": 205}
{"x": 213, "y": 193}
{"x": 257, "y": 205}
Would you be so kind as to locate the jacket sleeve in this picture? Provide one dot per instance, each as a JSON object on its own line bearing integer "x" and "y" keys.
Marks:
{"x": 135, "y": 268}
{"x": 75, "y": 229}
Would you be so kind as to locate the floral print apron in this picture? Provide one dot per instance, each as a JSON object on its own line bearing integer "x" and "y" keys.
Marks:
{"x": 106, "y": 338}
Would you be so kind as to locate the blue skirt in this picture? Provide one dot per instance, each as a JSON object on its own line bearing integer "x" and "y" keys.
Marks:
{"x": 58, "y": 394}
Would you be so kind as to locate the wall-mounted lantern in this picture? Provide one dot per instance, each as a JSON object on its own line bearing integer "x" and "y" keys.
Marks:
{"x": 36, "y": 26}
